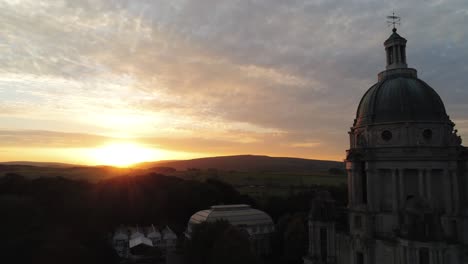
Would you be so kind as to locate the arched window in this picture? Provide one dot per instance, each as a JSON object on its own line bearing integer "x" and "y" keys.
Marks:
{"x": 390, "y": 55}
{"x": 403, "y": 54}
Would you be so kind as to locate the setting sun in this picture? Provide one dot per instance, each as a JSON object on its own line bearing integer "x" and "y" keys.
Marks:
{"x": 124, "y": 154}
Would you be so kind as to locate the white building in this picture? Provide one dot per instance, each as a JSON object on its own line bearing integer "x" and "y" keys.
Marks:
{"x": 258, "y": 224}
{"x": 120, "y": 242}
{"x": 128, "y": 241}
{"x": 407, "y": 178}
{"x": 169, "y": 239}
{"x": 155, "y": 236}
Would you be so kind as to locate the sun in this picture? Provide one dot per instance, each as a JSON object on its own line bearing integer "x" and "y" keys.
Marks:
{"x": 123, "y": 154}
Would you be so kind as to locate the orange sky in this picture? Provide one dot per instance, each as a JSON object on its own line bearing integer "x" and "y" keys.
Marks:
{"x": 124, "y": 81}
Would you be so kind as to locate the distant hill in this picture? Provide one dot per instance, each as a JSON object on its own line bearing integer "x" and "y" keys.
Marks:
{"x": 248, "y": 163}
{"x": 40, "y": 164}
{"x": 241, "y": 163}
{"x": 89, "y": 173}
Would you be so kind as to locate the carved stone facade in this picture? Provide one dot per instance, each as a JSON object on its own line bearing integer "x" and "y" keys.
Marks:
{"x": 407, "y": 177}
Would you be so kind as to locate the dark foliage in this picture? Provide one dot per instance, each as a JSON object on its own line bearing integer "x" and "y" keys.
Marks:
{"x": 277, "y": 206}
{"x": 48, "y": 221}
{"x": 219, "y": 242}
{"x": 57, "y": 220}
{"x": 199, "y": 248}
{"x": 295, "y": 240}
{"x": 233, "y": 247}
{"x": 294, "y": 208}
{"x": 160, "y": 200}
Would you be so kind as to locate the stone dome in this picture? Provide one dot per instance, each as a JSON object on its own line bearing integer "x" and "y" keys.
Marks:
{"x": 400, "y": 98}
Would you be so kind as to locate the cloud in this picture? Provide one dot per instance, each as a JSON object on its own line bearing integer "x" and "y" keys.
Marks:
{"x": 242, "y": 143}
{"x": 243, "y": 72}
{"x": 49, "y": 139}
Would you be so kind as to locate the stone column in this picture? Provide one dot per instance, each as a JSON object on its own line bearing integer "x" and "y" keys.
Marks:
{"x": 350, "y": 187}
{"x": 401, "y": 186}
{"x": 388, "y": 57}
{"x": 395, "y": 190}
{"x": 311, "y": 238}
{"x": 397, "y": 53}
{"x": 429, "y": 184}
{"x": 447, "y": 192}
{"x": 356, "y": 187}
{"x": 316, "y": 239}
{"x": 400, "y": 254}
{"x": 440, "y": 258}
{"x": 421, "y": 182}
{"x": 331, "y": 239}
{"x": 369, "y": 191}
{"x": 432, "y": 257}
{"x": 455, "y": 192}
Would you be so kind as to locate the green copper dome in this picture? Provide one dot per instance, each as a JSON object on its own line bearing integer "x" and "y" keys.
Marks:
{"x": 400, "y": 98}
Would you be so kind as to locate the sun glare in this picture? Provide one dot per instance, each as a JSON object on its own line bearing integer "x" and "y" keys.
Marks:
{"x": 124, "y": 154}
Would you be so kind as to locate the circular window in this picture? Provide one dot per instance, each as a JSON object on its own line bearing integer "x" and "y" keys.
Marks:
{"x": 427, "y": 134}
{"x": 386, "y": 135}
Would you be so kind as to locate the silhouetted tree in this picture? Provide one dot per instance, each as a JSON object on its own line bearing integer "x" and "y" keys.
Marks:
{"x": 295, "y": 241}
{"x": 219, "y": 242}
{"x": 199, "y": 248}
{"x": 233, "y": 247}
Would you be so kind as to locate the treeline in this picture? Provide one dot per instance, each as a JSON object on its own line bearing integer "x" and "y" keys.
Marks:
{"x": 290, "y": 214}
{"x": 58, "y": 220}
{"x": 219, "y": 242}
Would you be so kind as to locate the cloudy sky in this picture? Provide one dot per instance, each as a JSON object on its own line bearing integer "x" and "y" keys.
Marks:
{"x": 193, "y": 78}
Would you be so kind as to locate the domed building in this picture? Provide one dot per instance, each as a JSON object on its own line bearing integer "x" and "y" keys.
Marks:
{"x": 256, "y": 223}
{"x": 407, "y": 177}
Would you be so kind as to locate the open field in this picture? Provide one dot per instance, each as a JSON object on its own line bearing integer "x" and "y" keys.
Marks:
{"x": 91, "y": 174}
{"x": 267, "y": 183}
{"x": 252, "y": 175}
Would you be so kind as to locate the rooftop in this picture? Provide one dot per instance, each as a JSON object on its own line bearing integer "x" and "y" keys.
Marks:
{"x": 235, "y": 214}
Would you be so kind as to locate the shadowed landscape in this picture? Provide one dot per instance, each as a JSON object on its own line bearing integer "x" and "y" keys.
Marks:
{"x": 253, "y": 175}
{"x": 74, "y": 217}
{"x": 233, "y": 132}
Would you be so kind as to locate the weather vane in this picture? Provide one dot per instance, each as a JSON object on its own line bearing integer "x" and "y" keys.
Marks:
{"x": 393, "y": 21}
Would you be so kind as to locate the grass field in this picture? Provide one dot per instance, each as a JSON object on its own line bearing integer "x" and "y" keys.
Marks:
{"x": 92, "y": 174}
{"x": 253, "y": 183}
{"x": 267, "y": 183}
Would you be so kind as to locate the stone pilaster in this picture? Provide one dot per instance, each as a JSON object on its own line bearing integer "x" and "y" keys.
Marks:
{"x": 421, "y": 183}
{"x": 395, "y": 190}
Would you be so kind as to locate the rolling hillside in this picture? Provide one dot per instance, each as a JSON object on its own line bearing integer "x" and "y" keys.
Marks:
{"x": 234, "y": 169}
{"x": 249, "y": 163}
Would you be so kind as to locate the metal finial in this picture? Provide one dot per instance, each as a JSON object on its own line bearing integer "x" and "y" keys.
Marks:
{"x": 393, "y": 21}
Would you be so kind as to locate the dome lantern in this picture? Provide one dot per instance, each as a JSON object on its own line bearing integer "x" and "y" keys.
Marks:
{"x": 399, "y": 95}
{"x": 395, "y": 47}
